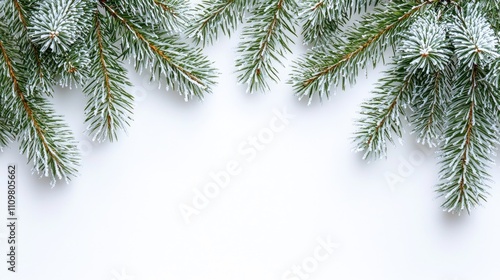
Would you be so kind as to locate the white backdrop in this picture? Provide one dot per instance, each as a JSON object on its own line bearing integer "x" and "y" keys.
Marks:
{"x": 296, "y": 202}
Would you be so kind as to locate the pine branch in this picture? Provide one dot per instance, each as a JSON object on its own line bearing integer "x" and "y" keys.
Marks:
{"x": 492, "y": 9}
{"x": 427, "y": 53}
{"x": 44, "y": 138}
{"x": 383, "y": 114}
{"x": 265, "y": 41}
{"x": 474, "y": 40}
{"x": 426, "y": 48}
{"x": 429, "y": 106}
{"x": 172, "y": 15}
{"x": 324, "y": 68}
{"x": 74, "y": 42}
{"x": 56, "y": 25}
{"x": 446, "y": 68}
{"x": 472, "y": 132}
{"x": 215, "y": 16}
{"x": 6, "y": 134}
{"x": 357, "y": 6}
{"x": 16, "y": 15}
{"x": 72, "y": 67}
{"x": 110, "y": 106}
{"x": 175, "y": 12}
{"x": 185, "y": 69}
{"x": 59, "y": 29}
{"x": 494, "y": 73}
{"x": 470, "y": 140}
{"x": 322, "y": 18}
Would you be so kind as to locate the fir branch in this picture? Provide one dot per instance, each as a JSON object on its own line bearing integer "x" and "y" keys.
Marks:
{"x": 323, "y": 68}
{"x": 427, "y": 53}
{"x": 471, "y": 135}
{"x": 357, "y": 6}
{"x": 110, "y": 106}
{"x": 56, "y": 25}
{"x": 44, "y": 138}
{"x": 185, "y": 69}
{"x": 492, "y": 9}
{"x": 493, "y": 76}
{"x": 72, "y": 67}
{"x": 215, "y": 16}
{"x": 322, "y": 18}
{"x": 382, "y": 115}
{"x": 16, "y": 15}
{"x": 59, "y": 28}
{"x": 6, "y": 133}
{"x": 429, "y": 105}
{"x": 474, "y": 40}
{"x": 44, "y": 42}
{"x": 470, "y": 140}
{"x": 265, "y": 41}
{"x": 175, "y": 13}
{"x": 426, "y": 48}
{"x": 171, "y": 15}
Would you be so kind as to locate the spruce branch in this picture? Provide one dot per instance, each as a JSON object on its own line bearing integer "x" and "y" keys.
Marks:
{"x": 185, "y": 69}
{"x": 17, "y": 17}
{"x": 470, "y": 141}
{"x": 444, "y": 75}
{"x": 215, "y": 16}
{"x": 110, "y": 106}
{"x": 492, "y": 10}
{"x": 59, "y": 29}
{"x": 56, "y": 25}
{"x": 429, "y": 105}
{"x": 494, "y": 73}
{"x": 382, "y": 115}
{"x": 265, "y": 41}
{"x": 427, "y": 54}
{"x": 357, "y": 6}
{"x": 425, "y": 48}
{"x": 322, "y": 18}
{"x": 172, "y": 15}
{"x": 6, "y": 133}
{"x": 44, "y": 138}
{"x": 326, "y": 67}
{"x": 72, "y": 67}
{"x": 474, "y": 39}
{"x": 177, "y": 13}
{"x": 471, "y": 136}
{"x": 77, "y": 43}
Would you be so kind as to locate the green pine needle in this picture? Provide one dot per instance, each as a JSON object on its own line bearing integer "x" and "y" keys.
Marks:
{"x": 265, "y": 40}
{"x": 81, "y": 43}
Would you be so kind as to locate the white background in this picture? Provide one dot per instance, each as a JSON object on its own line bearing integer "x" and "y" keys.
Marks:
{"x": 120, "y": 218}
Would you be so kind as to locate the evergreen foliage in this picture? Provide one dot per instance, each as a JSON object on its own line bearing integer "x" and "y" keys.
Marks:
{"x": 443, "y": 77}
{"x": 84, "y": 43}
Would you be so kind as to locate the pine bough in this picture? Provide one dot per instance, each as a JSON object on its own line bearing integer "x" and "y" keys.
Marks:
{"x": 84, "y": 43}
{"x": 443, "y": 78}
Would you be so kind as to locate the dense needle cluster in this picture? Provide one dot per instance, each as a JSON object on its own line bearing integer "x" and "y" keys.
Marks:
{"x": 443, "y": 77}
{"x": 269, "y": 31}
{"x": 84, "y": 43}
